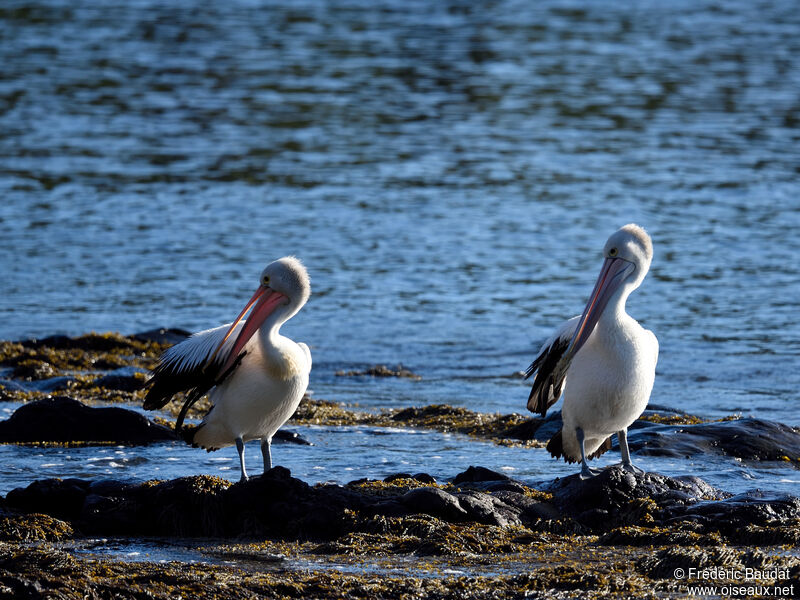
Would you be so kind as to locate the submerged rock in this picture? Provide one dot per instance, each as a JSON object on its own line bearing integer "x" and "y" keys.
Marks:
{"x": 381, "y": 371}
{"x": 62, "y": 419}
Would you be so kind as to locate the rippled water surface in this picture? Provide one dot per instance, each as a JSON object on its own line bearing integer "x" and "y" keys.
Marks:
{"x": 448, "y": 171}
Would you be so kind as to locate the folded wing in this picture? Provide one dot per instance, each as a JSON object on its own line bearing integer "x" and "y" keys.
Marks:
{"x": 187, "y": 367}
{"x": 550, "y": 368}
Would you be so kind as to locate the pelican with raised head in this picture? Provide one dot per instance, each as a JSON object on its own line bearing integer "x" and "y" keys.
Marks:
{"x": 603, "y": 360}
{"x": 255, "y": 376}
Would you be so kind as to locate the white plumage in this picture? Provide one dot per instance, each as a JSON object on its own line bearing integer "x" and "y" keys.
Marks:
{"x": 255, "y": 377}
{"x": 603, "y": 360}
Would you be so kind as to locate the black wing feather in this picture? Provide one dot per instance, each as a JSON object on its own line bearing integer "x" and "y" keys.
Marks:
{"x": 168, "y": 379}
{"x": 550, "y": 368}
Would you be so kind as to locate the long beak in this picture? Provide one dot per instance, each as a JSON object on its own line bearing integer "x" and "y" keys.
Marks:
{"x": 613, "y": 273}
{"x": 266, "y": 300}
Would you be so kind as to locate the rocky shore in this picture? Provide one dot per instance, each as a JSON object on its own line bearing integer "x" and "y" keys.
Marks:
{"x": 480, "y": 534}
{"x": 617, "y": 534}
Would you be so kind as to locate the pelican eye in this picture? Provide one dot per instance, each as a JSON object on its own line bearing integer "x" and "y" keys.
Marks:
{"x": 265, "y": 280}
{"x": 613, "y": 252}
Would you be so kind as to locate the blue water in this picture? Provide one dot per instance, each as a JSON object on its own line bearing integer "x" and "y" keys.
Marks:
{"x": 448, "y": 171}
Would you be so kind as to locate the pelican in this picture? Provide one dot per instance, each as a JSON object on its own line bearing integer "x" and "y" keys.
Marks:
{"x": 255, "y": 375}
{"x": 603, "y": 360}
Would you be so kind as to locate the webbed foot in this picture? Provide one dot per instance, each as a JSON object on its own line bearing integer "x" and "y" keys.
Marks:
{"x": 587, "y": 473}
{"x": 631, "y": 468}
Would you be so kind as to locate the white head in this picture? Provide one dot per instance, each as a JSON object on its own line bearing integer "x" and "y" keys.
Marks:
{"x": 628, "y": 253}
{"x": 631, "y": 244}
{"x": 284, "y": 289}
{"x": 288, "y": 276}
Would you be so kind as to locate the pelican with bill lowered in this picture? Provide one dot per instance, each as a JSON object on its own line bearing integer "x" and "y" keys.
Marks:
{"x": 254, "y": 376}
{"x": 603, "y": 360}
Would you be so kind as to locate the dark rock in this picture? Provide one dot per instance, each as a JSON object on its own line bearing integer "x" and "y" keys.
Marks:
{"x": 62, "y": 419}
{"x": 616, "y": 497}
{"x": 381, "y": 371}
{"x": 525, "y": 430}
{"x": 473, "y": 474}
{"x": 62, "y": 498}
{"x": 163, "y": 335}
{"x": 549, "y": 427}
{"x": 488, "y": 509}
{"x": 33, "y": 527}
{"x": 751, "y": 508}
{"x": 397, "y": 477}
{"x": 290, "y": 437}
{"x": 119, "y": 382}
{"x": 52, "y": 384}
{"x": 95, "y": 342}
{"x": 434, "y": 502}
{"x": 531, "y": 509}
{"x": 278, "y": 506}
{"x": 34, "y": 370}
{"x": 421, "y": 477}
{"x": 748, "y": 439}
{"x": 52, "y": 341}
{"x": 663, "y": 563}
{"x": 660, "y": 536}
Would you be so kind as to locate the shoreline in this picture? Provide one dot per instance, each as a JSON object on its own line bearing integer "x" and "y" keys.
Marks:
{"x": 477, "y": 535}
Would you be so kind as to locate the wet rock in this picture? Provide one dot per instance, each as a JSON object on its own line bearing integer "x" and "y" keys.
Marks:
{"x": 163, "y": 335}
{"x": 656, "y": 536}
{"x": 532, "y": 508}
{"x": 627, "y": 509}
{"x": 750, "y": 508}
{"x": 34, "y": 384}
{"x": 488, "y": 509}
{"x": 381, "y": 371}
{"x": 290, "y": 437}
{"x": 62, "y": 419}
{"x": 748, "y": 439}
{"x": 434, "y": 502}
{"x": 616, "y": 497}
{"x": 33, "y": 527}
{"x": 664, "y": 563}
{"x": 526, "y": 430}
{"x": 275, "y": 504}
{"x": 485, "y": 479}
{"x": 94, "y": 342}
{"x": 34, "y": 370}
{"x": 62, "y": 498}
{"x": 549, "y": 427}
{"x": 421, "y": 477}
{"x": 120, "y": 381}
{"x": 473, "y": 474}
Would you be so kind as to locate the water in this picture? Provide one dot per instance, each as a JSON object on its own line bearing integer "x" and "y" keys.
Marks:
{"x": 344, "y": 454}
{"x": 448, "y": 171}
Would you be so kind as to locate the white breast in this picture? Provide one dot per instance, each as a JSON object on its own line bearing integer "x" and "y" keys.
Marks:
{"x": 610, "y": 379}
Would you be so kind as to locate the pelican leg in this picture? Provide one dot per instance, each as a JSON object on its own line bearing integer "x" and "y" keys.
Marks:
{"x": 240, "y": 450}
{"x": 586, "y": 472}
{"x": 622, "y": 437}
{"x": 266, "y": 446}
